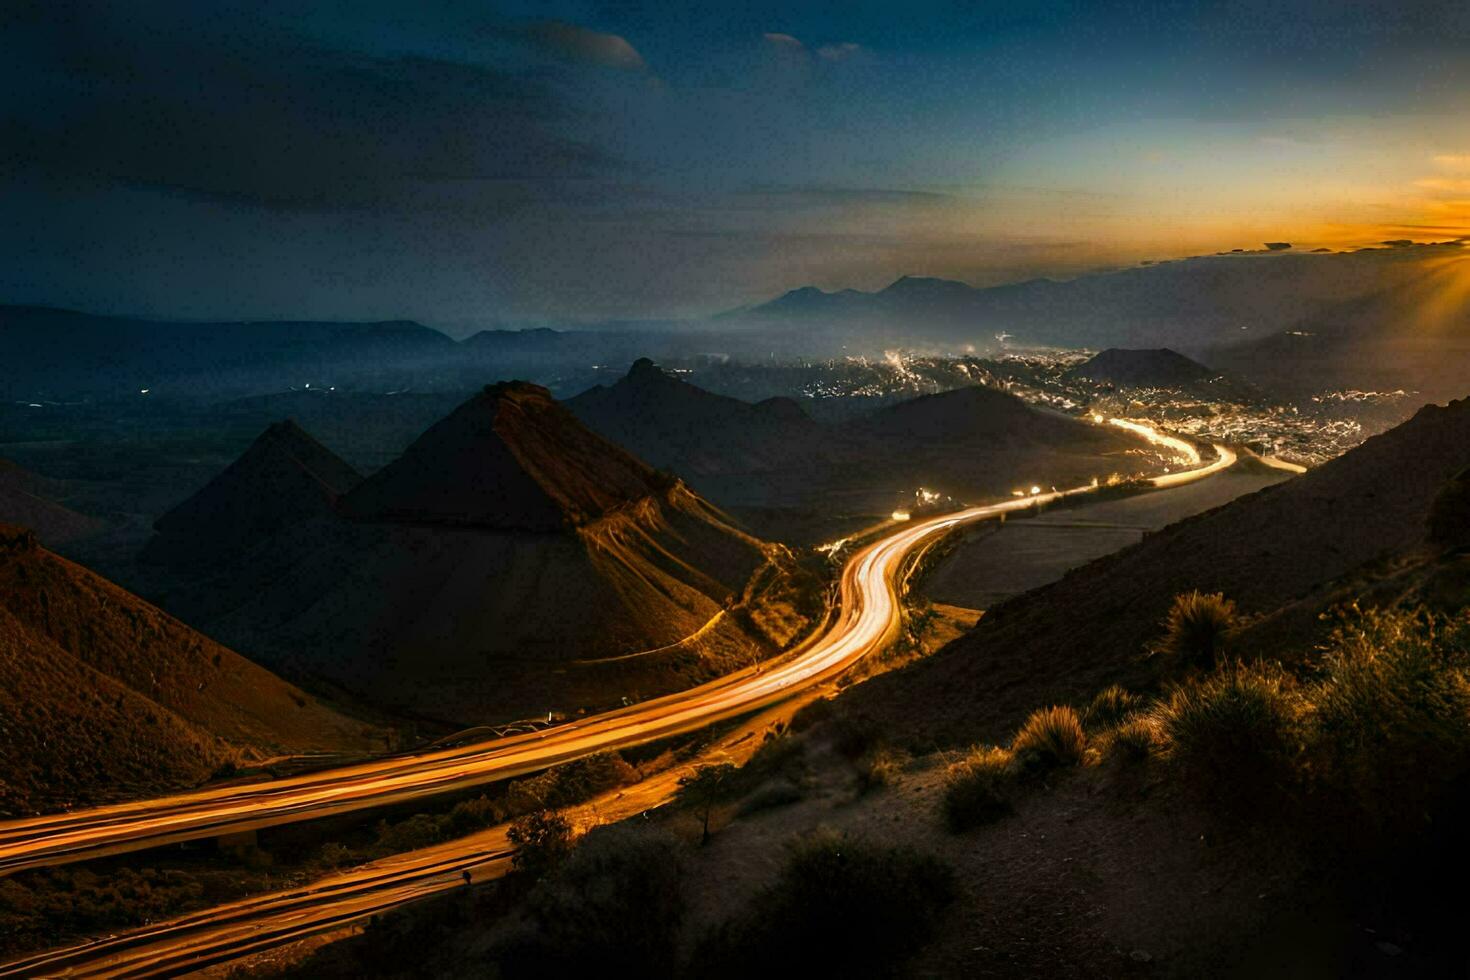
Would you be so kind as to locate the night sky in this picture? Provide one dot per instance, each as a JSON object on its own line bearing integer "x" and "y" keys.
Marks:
{"x": 467, "y": 164}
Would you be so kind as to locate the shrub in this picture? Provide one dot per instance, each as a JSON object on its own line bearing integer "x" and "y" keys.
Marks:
{"x": 974, "y": 788}
{"x": 543, "y": 840}
{"x": 1050, "y": 738}
{"x": 1231, "y": 733}
{"x": 1197, "y": 629}
{"x": 1132, "y": 741}
{"x": 614, "y": 905}
{"x": 883, "y": 900}
{"x": 568, "y": 784}
{"x": 334, "y": 855}
{"x": 1109, "y": 707}
{"x": 880, "y": 767}
{"x": 419, "y": 830}
{"x": 468, "y": 816}
{"x": 1391, "y": 729}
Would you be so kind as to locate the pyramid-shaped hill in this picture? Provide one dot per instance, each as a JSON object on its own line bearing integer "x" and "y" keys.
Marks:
{"x": 1277, "y": 553}
{"x": 681, "y": 427}
{"x": 1154, "y": 368}
{"x": 284, "y": 478}
{"x": 509, "y": 458}
{"x": 28, "y": 500}
{"x": 987, "y": 417}
{"x": 104, "y": 697}
{"x": 975, "y": 442}
{"x": 494, "y": 569}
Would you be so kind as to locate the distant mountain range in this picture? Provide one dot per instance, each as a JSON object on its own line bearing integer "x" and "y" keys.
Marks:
{"x": 1297, "y": 321}
{"x": 1329, "y": 311}
{"x": 60, "y": 353}
{"x": 483, "y": 574}
{"x": 105, "y": 697}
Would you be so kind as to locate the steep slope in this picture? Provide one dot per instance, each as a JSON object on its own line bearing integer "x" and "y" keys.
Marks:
{"x": 1265, "y": 550}
{"x": 678, "y": 426}
{"x": 510, "y": 458}
{"x": 284, "y": 478}
{"x": 103, "y": 696}
{"x": 486, "y": 573}
{"x": 26, "y": 499}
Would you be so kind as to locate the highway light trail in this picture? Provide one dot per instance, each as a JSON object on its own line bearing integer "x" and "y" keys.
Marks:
{"x": 869, "y": 615}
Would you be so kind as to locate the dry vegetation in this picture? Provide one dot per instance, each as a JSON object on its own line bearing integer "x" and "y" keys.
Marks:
{"x": 103, "y": 696}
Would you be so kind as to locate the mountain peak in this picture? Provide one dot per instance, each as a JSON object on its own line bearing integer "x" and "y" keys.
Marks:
{"x": 924, "y": 284}
{"x": 284, "y": 477}
{"x": 1159, "y": 366}
{"x": 644, "y": 370}
{"x": 510, "y": 458}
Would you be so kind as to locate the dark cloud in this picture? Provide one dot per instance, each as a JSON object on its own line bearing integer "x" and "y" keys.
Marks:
{"x": 276, "y": 120}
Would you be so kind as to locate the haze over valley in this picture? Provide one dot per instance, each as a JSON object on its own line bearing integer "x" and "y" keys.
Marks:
{"x": 523, "y": 491}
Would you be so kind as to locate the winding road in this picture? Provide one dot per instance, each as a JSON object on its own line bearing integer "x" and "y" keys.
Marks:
{"x": 869, "y": 615}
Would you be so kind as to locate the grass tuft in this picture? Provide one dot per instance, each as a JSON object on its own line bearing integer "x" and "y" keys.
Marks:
{"x": 1051, "y": 738}
{"x": 975, "y": 788}
{"x": 1133, "y": 740}
{"x": 1197, "y": 629}
{"x": 1109, "y": 707}
{"x": 1232, "y": 733}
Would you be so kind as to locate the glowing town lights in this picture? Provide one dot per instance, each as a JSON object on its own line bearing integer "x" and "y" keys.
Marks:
{"x": 1097, "y": 418}
{"x": 900, "y": 515}
{"x": 1018, "y": 493}
{"x": 1035, "y": 491}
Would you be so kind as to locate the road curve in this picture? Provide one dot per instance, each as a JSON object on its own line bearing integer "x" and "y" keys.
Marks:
{"x": 870, "y": 611}
{"x": 868, "y": 615}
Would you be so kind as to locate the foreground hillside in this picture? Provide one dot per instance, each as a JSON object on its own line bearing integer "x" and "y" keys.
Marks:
{"x": 28, "y": 500}
{"x": 1263, "y": 550}
{"x": 510, "y": 563}
{"x": 1236, "y": 810}
{"x": 102, "y": 696}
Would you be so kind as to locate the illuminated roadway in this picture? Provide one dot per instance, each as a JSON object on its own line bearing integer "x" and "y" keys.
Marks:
{"x": 870, "y": 611}
{"x": 868, "y": 616}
